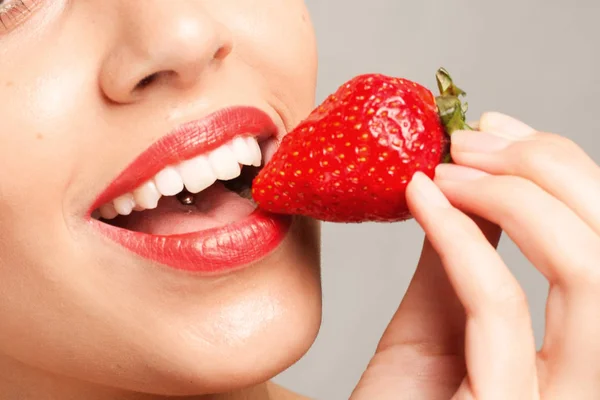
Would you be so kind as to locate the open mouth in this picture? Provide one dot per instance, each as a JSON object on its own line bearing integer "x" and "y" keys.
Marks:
{"x": 185, "y": 202}
{"x": 209, "y": 191}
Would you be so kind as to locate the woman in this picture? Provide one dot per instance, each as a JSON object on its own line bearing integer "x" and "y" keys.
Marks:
{"x": 111, "y": 107}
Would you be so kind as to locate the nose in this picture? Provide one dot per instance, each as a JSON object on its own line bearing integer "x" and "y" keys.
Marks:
{"x": 161, "y": 43}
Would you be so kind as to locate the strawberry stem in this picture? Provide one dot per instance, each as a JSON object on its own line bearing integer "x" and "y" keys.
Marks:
{"x": 451, "y": 109}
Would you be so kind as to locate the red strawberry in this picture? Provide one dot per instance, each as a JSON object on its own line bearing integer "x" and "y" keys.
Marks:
{"x": 352, "y": 158}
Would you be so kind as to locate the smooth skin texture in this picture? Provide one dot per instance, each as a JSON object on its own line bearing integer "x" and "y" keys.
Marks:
{"x": 463, "y": 330}
{"x": 84, "y": 319}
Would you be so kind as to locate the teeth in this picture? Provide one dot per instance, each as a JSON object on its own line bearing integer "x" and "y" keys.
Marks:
{"x": 224, "y": 163}
{"x": 124, "y": 204}
{"x": 255, "y": 149}
{"x": 168, "y": 182}
{"x": 147, "y": 196}
{"x": 242, "y": 150}
{"x": 107, "y": 211}
{"x": 197, "y": 174}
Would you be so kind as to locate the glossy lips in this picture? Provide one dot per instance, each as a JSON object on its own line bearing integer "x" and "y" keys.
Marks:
{"x": 215, "y": 250}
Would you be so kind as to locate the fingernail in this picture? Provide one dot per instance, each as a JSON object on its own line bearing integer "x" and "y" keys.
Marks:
{"x": 503, "y": 125}
{"x": 453, "y": 172}
{"x": 478, "y": 142}
{"x": 428, "y": 191}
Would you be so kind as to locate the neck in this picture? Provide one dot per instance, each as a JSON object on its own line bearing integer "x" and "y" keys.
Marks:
{"x": 18, "y": 381}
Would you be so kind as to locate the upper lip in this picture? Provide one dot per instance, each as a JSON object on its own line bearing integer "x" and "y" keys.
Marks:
{"x": 187, "y": 141}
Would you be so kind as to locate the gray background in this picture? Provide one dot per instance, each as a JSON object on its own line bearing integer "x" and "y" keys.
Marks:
{"x": 535, "y": 59}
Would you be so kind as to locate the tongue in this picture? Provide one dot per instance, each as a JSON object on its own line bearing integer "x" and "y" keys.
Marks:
{"x": 214, "y": 207}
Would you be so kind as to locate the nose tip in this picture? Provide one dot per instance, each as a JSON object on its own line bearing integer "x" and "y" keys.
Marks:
{"x": 188, "y": 47}
{"x": 173, "y": 48}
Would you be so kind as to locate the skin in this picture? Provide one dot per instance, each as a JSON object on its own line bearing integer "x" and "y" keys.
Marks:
{"x": 463, "y": 330}
{"x": 84, "y": 319}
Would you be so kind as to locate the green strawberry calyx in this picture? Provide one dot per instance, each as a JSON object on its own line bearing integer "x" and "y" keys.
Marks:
{"x": 452, "y": 111}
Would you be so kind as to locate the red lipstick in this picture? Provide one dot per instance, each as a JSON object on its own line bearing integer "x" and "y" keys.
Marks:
{"x": 188, "y": 141}
{"x": 215, "y": 250}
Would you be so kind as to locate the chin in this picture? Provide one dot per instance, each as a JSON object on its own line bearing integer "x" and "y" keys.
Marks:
{"x": 264, "y": 327}
{"x": 231, "y": 332}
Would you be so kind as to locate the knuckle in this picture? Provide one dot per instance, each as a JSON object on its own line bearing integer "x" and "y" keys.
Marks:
{"x": 546, "y": 152}
{"x": 561, "y": 141}
{"x": 539, "y": 155}
{"x": 584, "y": 272}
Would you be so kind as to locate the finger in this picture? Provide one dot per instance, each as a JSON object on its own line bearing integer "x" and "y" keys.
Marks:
{"x": 421, "y": 353}
{"x": 500, "y": 348}
{"x": 549, "y": 234}
{"x": 423, "y": 345}
{"x": 563, "y": 248}
{"x": 508, "y": 147}
{"x": 571, "y": 350}
{"x": 426, "y": 334}
{"x": 430, "y": 318}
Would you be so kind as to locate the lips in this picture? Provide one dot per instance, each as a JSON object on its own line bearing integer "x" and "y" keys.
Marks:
{"x": 187, "y": 141}
{"x": 207, "y": 247}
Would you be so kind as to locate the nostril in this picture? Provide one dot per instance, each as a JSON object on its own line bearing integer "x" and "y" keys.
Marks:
{"x": 221, "y": 53}
{"x": 147, "y": 81}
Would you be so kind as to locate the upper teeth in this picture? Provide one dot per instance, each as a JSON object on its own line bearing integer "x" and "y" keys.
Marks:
{"x": 195, "y": 175}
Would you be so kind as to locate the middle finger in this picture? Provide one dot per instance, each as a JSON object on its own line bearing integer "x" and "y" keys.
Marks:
{"x": 562, "y": 247}
{"x": 550, "y": 235}
{"x": 508, "y": 147}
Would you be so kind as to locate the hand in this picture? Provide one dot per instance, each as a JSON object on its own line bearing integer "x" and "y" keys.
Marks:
{"x": 463, "y": 331}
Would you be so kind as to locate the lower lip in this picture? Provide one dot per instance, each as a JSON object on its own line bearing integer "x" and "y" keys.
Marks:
{"x": 214, "y": 251}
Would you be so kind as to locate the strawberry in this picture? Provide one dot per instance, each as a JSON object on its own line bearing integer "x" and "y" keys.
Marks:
{"x": 353, "y": 157}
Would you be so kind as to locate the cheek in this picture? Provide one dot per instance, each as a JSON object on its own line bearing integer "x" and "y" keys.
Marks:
{"x": 44, "y": 132}
{"x": 42, "y": 144}
{"x": 279, "y": 42}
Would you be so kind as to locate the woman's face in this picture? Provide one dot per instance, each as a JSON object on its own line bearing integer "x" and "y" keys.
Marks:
{"x": 89, "y": 86}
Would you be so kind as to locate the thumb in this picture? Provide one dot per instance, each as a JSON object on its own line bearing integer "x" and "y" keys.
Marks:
{"x": 430, "y": 315}
{"x": 421, "y": 353}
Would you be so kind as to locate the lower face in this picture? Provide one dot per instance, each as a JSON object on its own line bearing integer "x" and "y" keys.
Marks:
{"x": 92, "y": 89}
